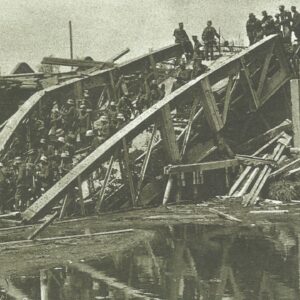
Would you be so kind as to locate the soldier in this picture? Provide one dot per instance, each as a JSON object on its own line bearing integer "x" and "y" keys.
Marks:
{"x": 296, "y": 22}
{"x": 208, "y": 37}
{"x": 121, "y": 121}
{"x": 141, "y": 102}
{"x": 83, "y": 124}
{"x": 112, "y": 114}
{"x": 44, "y": 174}
{"x": 268, "y": 24}
{"x": 197, "y": 46}
{"x": 66, "y": 163}
{"x": 277, "y": 24}
{"x": 285, "y": 21}
{"x": 184, "y": 73}
{"x": 21, "y": 181}
{"x": 198, "y": 68}
{"x": 125, "y": 107}
{"x": 177, "y": 84}
{"x": 253, "y": 27}
{"x": 182, "y": 38}
{"x": 69, "y": 115}
{"x": 104, "y": 128}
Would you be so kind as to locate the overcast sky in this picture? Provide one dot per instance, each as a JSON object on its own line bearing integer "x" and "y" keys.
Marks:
{"x": 31, "y": 29}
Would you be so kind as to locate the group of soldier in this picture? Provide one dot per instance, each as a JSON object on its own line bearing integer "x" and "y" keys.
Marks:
{"x": 284, "y": 23}
{"x": 209, "y": 36}
{"x": 65, "y": 133}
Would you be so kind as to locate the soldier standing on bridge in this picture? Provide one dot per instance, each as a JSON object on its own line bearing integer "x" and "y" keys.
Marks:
{"x": 253, "y": 28}
{"x": 197, "y": 46}
{"x": 285, "y": 21}
{"x": 296, "y": 22}
{"x": 182, "y": 38}
{"x": 268, "y": 24}
{"x": 208, "y": 37}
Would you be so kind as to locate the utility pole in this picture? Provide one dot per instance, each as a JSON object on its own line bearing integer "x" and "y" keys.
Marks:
{"x": 71, "y": 39}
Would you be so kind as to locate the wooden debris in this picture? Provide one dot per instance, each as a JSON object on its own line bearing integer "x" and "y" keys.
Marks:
{"x": 43, "y": 226}
{"x": 282, "y": 211}
{"x": 224, "y": 216}
{"x": 284, "y": 168}
{"x": 68, "y": 237}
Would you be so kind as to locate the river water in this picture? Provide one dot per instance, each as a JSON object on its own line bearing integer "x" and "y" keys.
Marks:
{"x": 33, "y": 29}
{"x": 181, "y": 262}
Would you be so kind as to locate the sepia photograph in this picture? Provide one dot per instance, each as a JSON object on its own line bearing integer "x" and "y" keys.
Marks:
{"x": 150, "y": 149}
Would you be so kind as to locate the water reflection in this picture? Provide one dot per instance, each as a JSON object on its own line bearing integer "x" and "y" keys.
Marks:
{"x": 182, "y": 262}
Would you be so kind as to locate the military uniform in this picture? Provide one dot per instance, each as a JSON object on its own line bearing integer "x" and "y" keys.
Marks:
{"x": 253, "y": 28}
{"x": 208, "y": 37}
{"x": 296, "y": 24}
{"x": 182, "y": 38}
{"x": 285, "y": 20}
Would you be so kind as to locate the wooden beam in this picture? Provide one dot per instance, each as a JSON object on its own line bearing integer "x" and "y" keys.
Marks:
{"x": 128, "y": 171}
{"x": 189, "y": 126}
{"x": 82, "y": 209}
{"x": 168, "y": 135}
{"x": 256, "y": 161}
{"x": 295, "y": 99}
{"x": 74, "y": 62}
{"x": 228, "y": 97}
{"x": 284, "y": 168}
{"x": 255, "y": 142}
{"x": 210, "y": 107}
{"x": 201, "y": 167}
{"x": 104, "y": 185}
{"x": 43, "y": 226}
{"x": 264, "y": 71}
{"x": 249, "y": 82}
{"x": 145, "y": 164}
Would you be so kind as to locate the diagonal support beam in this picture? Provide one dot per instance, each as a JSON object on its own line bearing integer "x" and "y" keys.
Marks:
{"x": 145, "y": 164}
{"x": 249, "y": 82}
{"x": 128, "y": 171}
{"x": 168, "y": 135}
{"x": 105, "y": 182}
{"x": 210, "y": 107}
{"x": 229, "y": 91}
{"x": 264, "y": 71}
{"x": 189, "y": 127}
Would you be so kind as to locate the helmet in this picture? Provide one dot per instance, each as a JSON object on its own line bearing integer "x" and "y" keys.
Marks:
{"x": 44, "y": 158}
{"x": 120, "y": 116}
{"x": 89, "y": 133}
{"x": 43, "y": 141}
{"x": 70, "y": 101}
{"x": 61, "y": 139}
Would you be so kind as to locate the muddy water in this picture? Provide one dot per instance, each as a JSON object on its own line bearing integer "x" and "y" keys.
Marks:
{"x": 182, "y": 262}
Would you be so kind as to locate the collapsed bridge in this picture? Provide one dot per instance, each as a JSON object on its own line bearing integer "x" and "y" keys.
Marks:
{"x": 223, "y": 109}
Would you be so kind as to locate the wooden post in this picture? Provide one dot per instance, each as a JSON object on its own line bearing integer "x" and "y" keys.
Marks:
{"x": 145, "y": 164}
{"x": 71, "y": 39}
{"x": 295, "y": 98}
{"x": 44, "y": 284}
{"x": 128, "y": 171}
{"x": 113, "y": 86}
{"x": 168, "y": 135}
{"x": 106, "y": 178}
{"x": 81, "y": 196}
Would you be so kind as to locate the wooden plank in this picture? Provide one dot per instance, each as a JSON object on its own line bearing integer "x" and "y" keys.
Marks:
{"x": 201, "y": 167}
{"x": 210, "y": 107}
{"x": 227, "y": 97}
{"x": 74, "y": 62}
{"x": 255, "y": 142}
{"x": 43, "y": 226}
{"x": 82, "y": 209}
{"x": 248, "y": 169}
{"x": 113, "y": 86}
{"x": 128, "y": 171}
{"x": 168, "y": 135}
{"x": 295, "y": 99}
{"x": 104, "y": 185}
{"x": 145, "y": 164}
{"x": 264, "y": 71}
{"x": 249, "y": 82}
{"x": 189, "y": 126}
{"x": 284, "y": 168}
